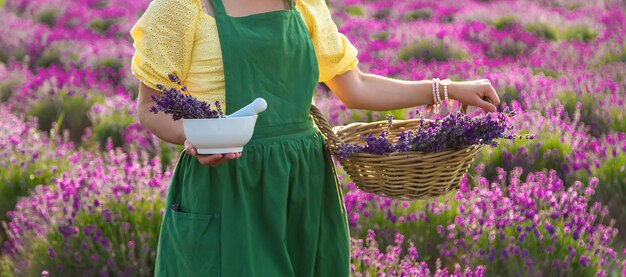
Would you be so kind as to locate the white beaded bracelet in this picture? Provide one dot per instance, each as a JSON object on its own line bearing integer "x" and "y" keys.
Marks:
{"x": 445, "y": 83}
{"x": 434, "y": 95}
{"x": 438, "y": 92}
{"x": 436, "y": 100}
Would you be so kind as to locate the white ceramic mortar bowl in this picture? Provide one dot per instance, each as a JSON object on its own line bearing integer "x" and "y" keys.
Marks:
{"x": 219, "y": 135}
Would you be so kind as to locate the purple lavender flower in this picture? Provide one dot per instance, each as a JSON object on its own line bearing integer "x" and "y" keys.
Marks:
{"x": 549, "y": 228}
{"x": 584, "y": 261}
{"x": 51, "y": 252}
{"x": 180, "y": 104}
{"x": 455, "y": 131}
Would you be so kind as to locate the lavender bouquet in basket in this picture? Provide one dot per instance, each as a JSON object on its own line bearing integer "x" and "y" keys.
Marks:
{"x": 180, "y": 105}
{"x": 454, "y": 132}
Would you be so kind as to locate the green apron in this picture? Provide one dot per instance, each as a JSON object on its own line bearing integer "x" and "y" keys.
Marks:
{"x": 278, "y": 210}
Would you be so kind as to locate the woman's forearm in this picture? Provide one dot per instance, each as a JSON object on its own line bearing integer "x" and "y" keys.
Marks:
{"x": 161, "y": 125}
{"x": 373, "y": 92}
{"x": 358, "y": 90}
{"x": 164, "y": 127}
{"x": 382, "y": 93}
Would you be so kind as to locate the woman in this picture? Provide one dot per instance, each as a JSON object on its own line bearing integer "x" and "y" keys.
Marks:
{"x": 275, "y": 209}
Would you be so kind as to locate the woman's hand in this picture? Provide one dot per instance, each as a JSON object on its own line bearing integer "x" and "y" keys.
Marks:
{"x": 472, "y": 93}
{"x": 210, "y": 159}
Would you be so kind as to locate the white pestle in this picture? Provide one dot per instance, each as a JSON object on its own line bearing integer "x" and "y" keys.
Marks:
{"x": 257, "y": 106}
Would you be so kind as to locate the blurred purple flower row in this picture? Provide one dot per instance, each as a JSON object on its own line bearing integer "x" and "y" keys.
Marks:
{"x": 27, "y": 158}
{"x": 100, "y": 217}
{"x": 511, "y": 226}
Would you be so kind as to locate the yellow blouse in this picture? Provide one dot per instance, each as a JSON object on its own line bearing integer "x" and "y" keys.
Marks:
{"x": 177, "y": 36}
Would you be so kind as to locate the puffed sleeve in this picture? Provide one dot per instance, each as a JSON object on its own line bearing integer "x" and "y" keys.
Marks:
{"x": 335, "y": 54}
{"x": 163, "y": 40}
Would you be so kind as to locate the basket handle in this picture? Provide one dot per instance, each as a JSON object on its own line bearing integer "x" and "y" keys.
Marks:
{"x": 464, "y": 106}
{"x": 332, "y": 140}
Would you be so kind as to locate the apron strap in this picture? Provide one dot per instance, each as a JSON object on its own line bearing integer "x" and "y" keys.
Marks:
{"x": 218, "y": 8}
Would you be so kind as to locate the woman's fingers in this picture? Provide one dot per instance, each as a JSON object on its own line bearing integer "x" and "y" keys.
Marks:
{"x": 485, "y": 97}
{"x": 493, "y": 95}
{"x": 478, "y": 93}
{"x": 488, "y": 99}
{"x": 210, "y": 159}
{"x": 190, "y": 149}
{"x": 217, "y": 159}
{"x": 486, "y": 106}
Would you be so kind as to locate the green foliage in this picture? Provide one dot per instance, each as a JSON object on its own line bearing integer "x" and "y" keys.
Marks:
{"x": 382, "y": 13}
{"x": 508, "y": 94}
{"x": 546, "y": 152}
{"x": 504, "y": 22}
{"x": 21, "y": 171}
{"x": 17, "y": 180}
{"x": 447, "y": 18}
{"x": 49, "y": 57}
{"x": 101, "y": 4}
{"x": 422, "y": 230}
{"x": 102, "y": 25}
{"x": 5, "y": 264}
{"x": 507, "y": 47}
{"x": 59, "y": 53}
{"x": 6, "y": 89}
{"x": 582, "y": 33}
{"x": 74, "y": 109}
{"x": 19, "y": 54}
{"x": 48, "y": 16}
{"x": 535, "y": 246}
{"x": 355, "y": 10}
{"x": 142, "y": 229}
{"x": 370, "y": 116}
{"x": 618, "y": 119}
{"x": 423, "y": 14}
{"x": 115, "y": 64}
{"x": 382, "y": 36}
{"x": 588, "y": 111}
{"x": 112, "y": 126}
{"x": 611, "y": 190}
{"x": 543, "y": 30}
{"x": 168, "y": 153}
{"x": 545, "y": 72}
{"x": 613, "y": 55}
{"x": 573, "y": 5}
{"x": 430, "y": 50}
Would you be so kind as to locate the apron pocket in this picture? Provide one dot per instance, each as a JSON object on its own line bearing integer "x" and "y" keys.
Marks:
{"x": 190, "y": 244}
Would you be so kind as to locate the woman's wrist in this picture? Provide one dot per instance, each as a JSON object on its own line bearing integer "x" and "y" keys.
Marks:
{"x": 443, "y": 90}
{"x": 453, "y": 89}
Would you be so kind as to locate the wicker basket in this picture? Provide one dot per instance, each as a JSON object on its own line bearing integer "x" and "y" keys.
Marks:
{"x": 407, "y": 176}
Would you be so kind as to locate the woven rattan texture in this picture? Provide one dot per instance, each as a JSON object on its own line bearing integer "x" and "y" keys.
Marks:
{"x": 407, "y": 176}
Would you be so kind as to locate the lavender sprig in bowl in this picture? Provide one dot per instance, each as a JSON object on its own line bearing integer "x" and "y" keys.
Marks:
{"x": 206, "y": 128}
{"x": 181, "y": 105}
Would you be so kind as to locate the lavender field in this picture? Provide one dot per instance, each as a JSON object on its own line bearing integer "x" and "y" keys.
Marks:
{"x": 82, "y": 183}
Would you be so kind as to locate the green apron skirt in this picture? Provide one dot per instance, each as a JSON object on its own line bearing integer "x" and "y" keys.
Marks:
{"x": 278, "y": 210}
